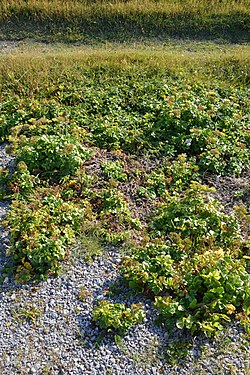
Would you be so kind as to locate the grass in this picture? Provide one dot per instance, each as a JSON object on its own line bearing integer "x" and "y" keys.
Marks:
{"x": 101, "y": 21}
{"x": 33, "y": 69}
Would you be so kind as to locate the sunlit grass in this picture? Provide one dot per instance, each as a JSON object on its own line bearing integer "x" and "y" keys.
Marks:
{"x": 33, "y": 67}
{"x": 122, "y": 20}
{"x": 42, "y": 9}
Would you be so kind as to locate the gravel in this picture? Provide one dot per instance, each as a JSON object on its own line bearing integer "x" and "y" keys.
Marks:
{"x": 63, "y": 340}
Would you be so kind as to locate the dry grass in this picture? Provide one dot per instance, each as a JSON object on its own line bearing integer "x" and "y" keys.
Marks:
{"x": 42, "y": 9}
{"x": 36, "y": 68}
{"x": 86, "y": 21}
{"x": 42, "y": 57}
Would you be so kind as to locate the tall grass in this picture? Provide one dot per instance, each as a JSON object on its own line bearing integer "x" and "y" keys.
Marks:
{"x": 125, "y": 19}
{"x": 45, "y": 9}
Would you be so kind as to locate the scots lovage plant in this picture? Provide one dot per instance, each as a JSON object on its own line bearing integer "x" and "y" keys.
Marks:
{"x": 195, "y": 267}
{"x": 200, "y": 293}
{"x": 117, "y": 317}
{"x": 41, "y": 230}
{"x": 150, "y": 269}
{"x": 214, "y": 288}
{"x": 21, "y": 183}
{"x": 203, "y": 123}
{"x": 175, "y": 175}
{"x": 114, "y": 170}
{"x": 195, "y": 217}
{"x": 114, "y": 205}
{"x": 53, "y": 156}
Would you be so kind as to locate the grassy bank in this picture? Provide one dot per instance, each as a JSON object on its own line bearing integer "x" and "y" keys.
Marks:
{"x": 100, "y": 21}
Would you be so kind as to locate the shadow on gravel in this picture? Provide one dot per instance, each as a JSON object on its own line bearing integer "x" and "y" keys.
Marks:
{"x": 146, "y": 344}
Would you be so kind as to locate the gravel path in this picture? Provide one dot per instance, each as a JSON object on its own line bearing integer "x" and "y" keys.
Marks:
{"x": 62, "y": 340}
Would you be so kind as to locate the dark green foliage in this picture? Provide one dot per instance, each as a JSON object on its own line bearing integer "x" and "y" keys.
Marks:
{"x": 40, "y": 232}
{"x": 135, "y": 113}
{"x": 52, "y": 155}
{"x": 196, "y": 269}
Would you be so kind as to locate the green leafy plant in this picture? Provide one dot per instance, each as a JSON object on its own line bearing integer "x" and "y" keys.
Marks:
{"x": 117, "y": 317}
{"x": 180, "y": 172}
{"x": 4, "y": 178}
{"x": 196, "y": 219}
{"x": 176, "y": 174}
{"x": 150, "y": 129}
{"x": 156, "y": 184}
{"x": 150, "y": 269}
{"x": 114, "y": 170}
{"x": 114, "y": 204}
{"x": 214, "y": 287}
{"x": 53, "y": 155}
{"x": 200, "y": 293}
{"x": 41, "y": 231}
{"x": 21, "y": 183}
{"x": 196, "y": 267}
